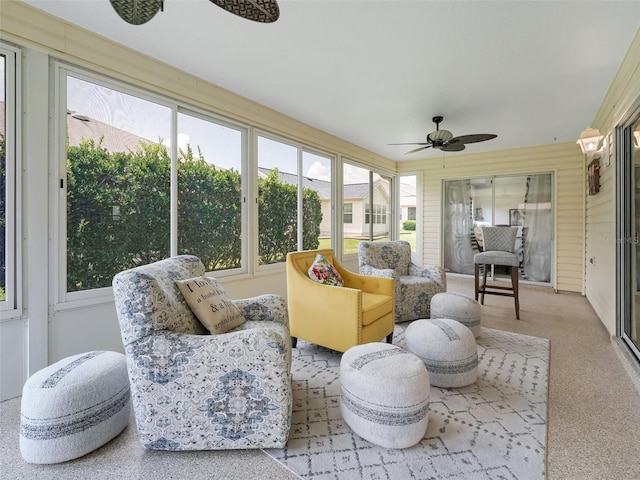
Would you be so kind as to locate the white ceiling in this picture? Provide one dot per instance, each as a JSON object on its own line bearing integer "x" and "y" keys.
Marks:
{"x": 376, "y": 72}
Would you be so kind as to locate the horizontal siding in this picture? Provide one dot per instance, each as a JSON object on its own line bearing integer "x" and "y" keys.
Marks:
{"x": 564, "y": 160}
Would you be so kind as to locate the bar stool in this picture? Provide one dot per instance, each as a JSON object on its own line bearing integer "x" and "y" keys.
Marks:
{"x": 499, "y": 248}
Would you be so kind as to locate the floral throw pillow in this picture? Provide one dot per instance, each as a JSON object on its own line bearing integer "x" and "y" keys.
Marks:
{"x": 322, "y": 271}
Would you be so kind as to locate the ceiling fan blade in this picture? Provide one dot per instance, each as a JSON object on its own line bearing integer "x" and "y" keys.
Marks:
{"x": 136, "y": 12}
{"x": 414, "y": 143}
{"x": 263, "y": 11}
{"x": 475, "y": 138}
{"x": 416, "y": 150}
{"x": 453, "y": 147}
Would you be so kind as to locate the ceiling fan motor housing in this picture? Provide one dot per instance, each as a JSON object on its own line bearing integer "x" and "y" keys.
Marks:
{"x": 439, "y": 137}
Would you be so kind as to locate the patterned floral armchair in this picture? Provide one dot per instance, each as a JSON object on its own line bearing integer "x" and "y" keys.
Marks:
{"x": 414, "y": 285}
{"x": 196, "y": 391}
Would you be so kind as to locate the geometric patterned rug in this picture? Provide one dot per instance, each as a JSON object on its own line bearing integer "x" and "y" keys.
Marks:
{"x": 493, "y": 429}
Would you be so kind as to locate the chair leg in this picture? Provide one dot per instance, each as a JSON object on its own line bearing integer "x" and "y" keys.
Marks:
{"x": 476, "y": 275}
{"x": 484, "y": 282}
{"x": 515, "y": 274}
{"x": 390, "y": 338}
{"x": 294, "y": 342}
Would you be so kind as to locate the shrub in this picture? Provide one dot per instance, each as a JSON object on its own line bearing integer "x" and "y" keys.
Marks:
{"x": 409, "y": 225}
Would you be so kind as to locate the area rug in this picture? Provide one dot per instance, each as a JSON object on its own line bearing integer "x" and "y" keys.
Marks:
{"x": 493, "y": 429}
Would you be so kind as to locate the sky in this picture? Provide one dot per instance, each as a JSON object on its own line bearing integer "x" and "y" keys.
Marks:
{"x": 219, "y": 144}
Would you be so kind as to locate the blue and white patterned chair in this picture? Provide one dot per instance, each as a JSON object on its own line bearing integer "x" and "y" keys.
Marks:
{"x": 414, "y": 285}
{"x": 195, "y": 391}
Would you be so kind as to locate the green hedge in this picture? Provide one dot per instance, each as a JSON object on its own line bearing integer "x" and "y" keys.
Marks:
{"x": 137, "y": 184}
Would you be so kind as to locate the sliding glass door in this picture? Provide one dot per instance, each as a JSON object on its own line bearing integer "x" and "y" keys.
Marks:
{"x": 520, "y": 201}
{"x": 628, "y": 232}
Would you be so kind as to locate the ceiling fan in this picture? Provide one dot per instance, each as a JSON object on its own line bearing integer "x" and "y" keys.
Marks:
{"x": 445, "y": 141}
{"x": 137, "y": 12}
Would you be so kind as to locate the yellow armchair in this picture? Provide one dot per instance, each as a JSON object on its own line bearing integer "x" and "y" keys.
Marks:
{"x": 337, "y": 317}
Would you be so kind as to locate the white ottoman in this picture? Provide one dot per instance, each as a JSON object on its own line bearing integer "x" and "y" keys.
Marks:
{"x": 448, "y": 350}
{"x": 457, "y": 307}
{"x": 74, "y": 406}
{"x": 384, "y": 394}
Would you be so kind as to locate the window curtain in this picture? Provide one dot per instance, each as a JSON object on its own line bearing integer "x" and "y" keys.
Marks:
{"x": 458, "y": 227}
{"x": 537, "y": 228}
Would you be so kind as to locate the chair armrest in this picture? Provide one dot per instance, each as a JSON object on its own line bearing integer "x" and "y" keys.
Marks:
{"x": 266, "y": 308}
{"x": 432, "y": 272}
{"x": 372, "y": 271}
{"x": 382, "y": 285}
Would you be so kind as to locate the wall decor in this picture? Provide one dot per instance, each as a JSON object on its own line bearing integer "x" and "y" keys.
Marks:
{"x": 593, "y": 177}
{"x": 516, "y": 216}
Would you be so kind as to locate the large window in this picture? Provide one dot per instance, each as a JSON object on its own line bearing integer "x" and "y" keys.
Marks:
{"x": 294, "y": 200}
{"x": 408, "y": 222}
{"x": 369, "y": 195}
{"x": 8, "y": 178}
{"x": 118, "y": 183}
{"x": 210, "y": 159}
{"x": 144, "y": 177}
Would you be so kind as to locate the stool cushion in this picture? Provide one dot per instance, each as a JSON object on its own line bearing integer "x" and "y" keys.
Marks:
{"x": 74, "y": 406}
{"x": 497, "y": 258}
{"x": 384, "y": 394}
{"x": 448, "y": 350}
{"x": 458, "y": 307}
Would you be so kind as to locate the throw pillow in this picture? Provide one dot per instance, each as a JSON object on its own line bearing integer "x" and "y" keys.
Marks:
{"x": 322, "y": 271}
{"x": 209, "y": 302}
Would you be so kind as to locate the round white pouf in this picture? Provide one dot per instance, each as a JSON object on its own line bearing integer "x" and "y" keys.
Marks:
{"x": 457, "y": 307}
{"x": 448, "y": 350}
{"x": 74, "y": 406}
{"x": 384, "y": 395}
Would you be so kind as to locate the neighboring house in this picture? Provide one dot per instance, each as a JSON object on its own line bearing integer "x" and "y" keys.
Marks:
{"x": 356, "y": 211}
{"x": 408, "y": 202}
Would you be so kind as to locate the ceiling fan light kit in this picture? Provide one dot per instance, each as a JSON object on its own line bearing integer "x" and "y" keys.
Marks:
{"x": 137, "y": 12}
{"x": 445, "y": 141}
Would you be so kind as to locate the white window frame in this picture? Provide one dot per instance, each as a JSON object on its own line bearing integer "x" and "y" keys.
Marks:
{"x": 244, "y": 132}
{"x": 68, "y": 300}
{"x": 392, "y": 211}
{"x": 11, "y": 307}
{"x": 301, "y": 149}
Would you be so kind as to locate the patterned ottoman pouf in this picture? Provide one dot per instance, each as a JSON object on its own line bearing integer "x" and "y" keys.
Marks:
{"x": 384, "y": 395}
{"x": 448, "y": 350}
{"x": 74, "y": 406}
{"x": 457, "y": 307}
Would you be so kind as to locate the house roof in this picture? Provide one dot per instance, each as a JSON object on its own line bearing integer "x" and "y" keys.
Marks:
{"x": 376, "y": 72}
{"x": 81, "y": 127}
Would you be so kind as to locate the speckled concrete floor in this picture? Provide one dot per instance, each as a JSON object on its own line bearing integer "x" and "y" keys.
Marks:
{"x": 593, "y": 429}
{"x": 593, "y": 412}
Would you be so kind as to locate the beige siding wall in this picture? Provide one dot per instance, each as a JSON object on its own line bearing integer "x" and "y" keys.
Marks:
{"x": 567, "y": 164}
{"x": 601, "y": 225}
